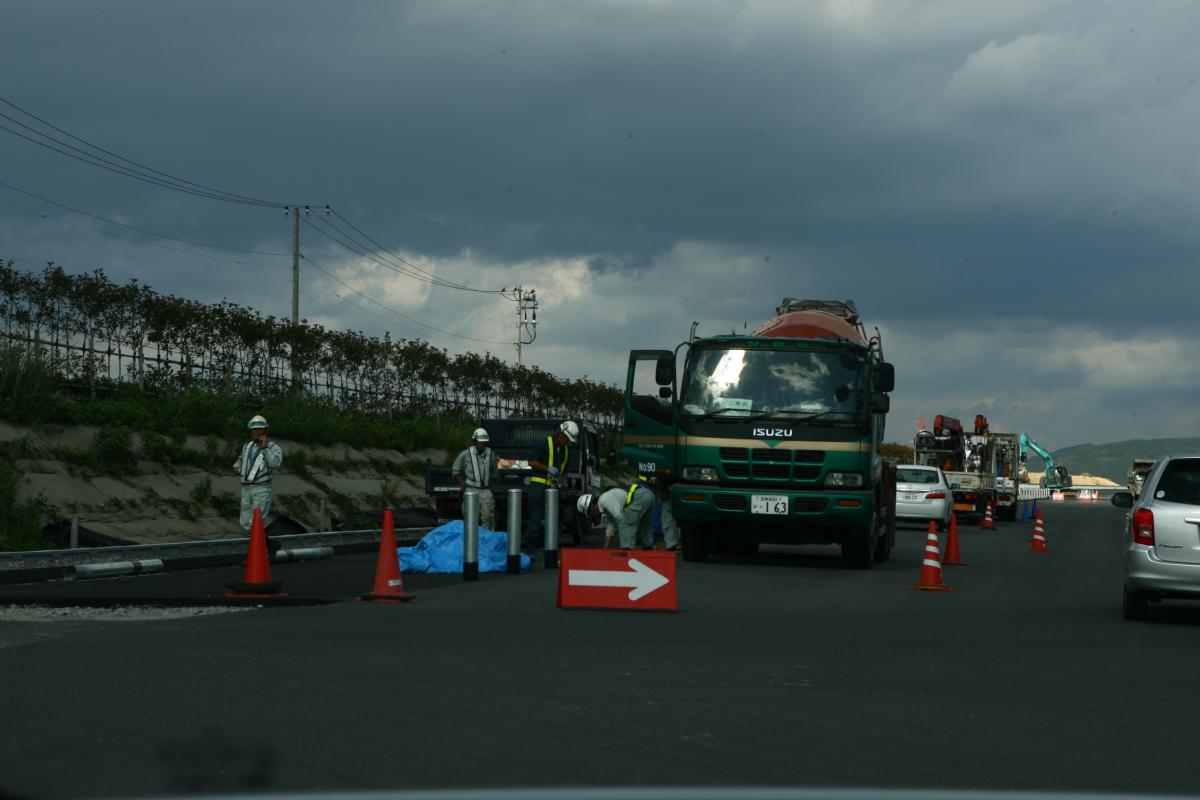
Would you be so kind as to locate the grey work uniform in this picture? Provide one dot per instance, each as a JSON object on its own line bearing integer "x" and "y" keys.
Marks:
{"x": 255, "y": 466}
{"x": 479, "y": 473}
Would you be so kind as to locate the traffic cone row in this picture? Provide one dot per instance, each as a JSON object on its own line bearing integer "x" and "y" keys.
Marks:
{"x": 257, "y": 583}
{"x": 1037, "y": 544}
{"x": 931, "y": 565}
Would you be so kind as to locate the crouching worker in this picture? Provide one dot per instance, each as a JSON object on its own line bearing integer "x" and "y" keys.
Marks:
{"x": 628, "y": 514}
{"x": 259, "y": 458}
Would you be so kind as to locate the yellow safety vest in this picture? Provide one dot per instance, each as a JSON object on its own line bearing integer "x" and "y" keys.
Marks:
{"x": 641, "y": 481}
{"x": 566, "y": 454}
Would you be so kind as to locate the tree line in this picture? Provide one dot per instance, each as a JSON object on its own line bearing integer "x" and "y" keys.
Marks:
{"x": 94, "y": 332}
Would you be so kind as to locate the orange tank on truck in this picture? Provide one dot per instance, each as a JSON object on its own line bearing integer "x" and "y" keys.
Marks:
{"x": 771, "y": 436}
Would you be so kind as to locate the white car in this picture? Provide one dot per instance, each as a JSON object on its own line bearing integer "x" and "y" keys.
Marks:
{"x": 922, "y": 494}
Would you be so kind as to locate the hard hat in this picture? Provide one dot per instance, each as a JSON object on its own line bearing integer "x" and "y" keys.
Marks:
{"x": 480, "y": 435}
{"x": 571, "y": 430}
{"x": 583, "y": 503}
{"x": 257, "y": 421}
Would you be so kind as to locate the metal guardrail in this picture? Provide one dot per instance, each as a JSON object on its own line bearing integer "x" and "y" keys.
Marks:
{"x": 32, "y": 559}
{"x": 1029, "y": 492}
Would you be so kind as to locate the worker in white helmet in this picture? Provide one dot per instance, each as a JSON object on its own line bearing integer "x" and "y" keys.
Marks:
{"x": 548, "y": 464}
{"x": 628, "y": 514}
{"x": 476, "y": 468}
{"x": 259, "y": 458}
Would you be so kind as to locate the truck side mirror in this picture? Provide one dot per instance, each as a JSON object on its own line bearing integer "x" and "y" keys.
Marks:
{"x": 664, "y": 370}
{"x": 880, "y": 403}
{"x": 664, "y": 392}
{"x": 885, "y": 377}
{"x": 1123, "y": 499}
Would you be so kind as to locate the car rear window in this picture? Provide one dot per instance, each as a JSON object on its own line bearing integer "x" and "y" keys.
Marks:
{"x": 916, "y": 475}
{"x": 1180, "y": 482}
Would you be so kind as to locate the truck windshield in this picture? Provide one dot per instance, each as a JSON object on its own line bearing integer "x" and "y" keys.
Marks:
{"x": 740, "y": 382}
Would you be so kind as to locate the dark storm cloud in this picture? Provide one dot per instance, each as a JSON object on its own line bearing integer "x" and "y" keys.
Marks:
{"x": 990, "y": 169}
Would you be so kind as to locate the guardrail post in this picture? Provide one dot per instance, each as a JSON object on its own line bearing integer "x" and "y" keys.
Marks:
{"x": 471, "y": 535}
{"x": 74, "y": 543}
{"x": 323, "y": 516}
{"x": 514, "y": 531}
{"x": 550, "y": 552}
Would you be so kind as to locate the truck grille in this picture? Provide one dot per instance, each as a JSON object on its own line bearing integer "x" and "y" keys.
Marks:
{"x": 772, "y": 470}
{"x": 795, "y": 466}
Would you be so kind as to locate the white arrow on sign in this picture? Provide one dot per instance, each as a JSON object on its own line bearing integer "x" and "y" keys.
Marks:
{"x": 642, "y": 580}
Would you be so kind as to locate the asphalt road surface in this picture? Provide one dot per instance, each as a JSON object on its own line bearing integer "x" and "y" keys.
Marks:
{"x": 785, "y": 669}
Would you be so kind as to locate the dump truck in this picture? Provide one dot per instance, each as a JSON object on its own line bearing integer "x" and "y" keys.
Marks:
{"x": 965, "y": 458}
{"x": 772, "y": 436}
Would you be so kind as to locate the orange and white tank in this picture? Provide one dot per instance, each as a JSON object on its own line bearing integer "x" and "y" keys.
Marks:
{"x": 810, "y": 325}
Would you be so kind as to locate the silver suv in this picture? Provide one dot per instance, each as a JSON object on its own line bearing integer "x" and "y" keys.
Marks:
{"x": 1162, "y": 537}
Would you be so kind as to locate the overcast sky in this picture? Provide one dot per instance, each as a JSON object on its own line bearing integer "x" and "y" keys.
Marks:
{"x": 1008, "y": 190}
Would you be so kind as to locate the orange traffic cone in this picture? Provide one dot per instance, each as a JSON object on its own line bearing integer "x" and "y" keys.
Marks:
{"x": 987, "y": 523}
{"x": 952, "y": 556}
{"x": 389, "y": 586}
{"x": 1037, "y": 544}
{"x": 931, "y": 566}
{"x": 257, "y": 580}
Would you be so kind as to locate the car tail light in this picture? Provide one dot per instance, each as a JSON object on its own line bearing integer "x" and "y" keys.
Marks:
{"x": 936, "y": 496}
{"x": 1143, "y": 526}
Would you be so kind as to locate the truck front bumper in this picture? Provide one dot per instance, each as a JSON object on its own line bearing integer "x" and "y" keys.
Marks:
{"x": 702, "y": 503}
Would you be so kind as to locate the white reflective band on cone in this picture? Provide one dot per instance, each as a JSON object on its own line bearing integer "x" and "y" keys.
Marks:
{"x": 930, "y": 563}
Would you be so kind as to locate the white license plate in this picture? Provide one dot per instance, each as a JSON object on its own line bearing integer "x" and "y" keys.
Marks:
{"x": 768, "y": 504}
{"x": 908, "y": 497}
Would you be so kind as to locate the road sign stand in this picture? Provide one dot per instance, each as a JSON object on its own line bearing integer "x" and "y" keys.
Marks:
{"x": 638, "y": 580}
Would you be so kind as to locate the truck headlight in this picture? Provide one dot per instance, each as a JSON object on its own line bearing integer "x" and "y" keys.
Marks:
{"x": 844, "y": 479}
{"x": 700, "y": 474}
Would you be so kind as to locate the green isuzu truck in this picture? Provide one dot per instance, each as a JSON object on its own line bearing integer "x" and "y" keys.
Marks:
{"x": 770, "y": 437}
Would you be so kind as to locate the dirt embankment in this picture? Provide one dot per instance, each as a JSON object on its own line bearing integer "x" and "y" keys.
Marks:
{"x": 192, "y": 493}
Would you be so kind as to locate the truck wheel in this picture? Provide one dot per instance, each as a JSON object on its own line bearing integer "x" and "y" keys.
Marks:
{"x": 695, "y": 541}
{"x": 858, "y": 547}
{"x": 883, "y": 547}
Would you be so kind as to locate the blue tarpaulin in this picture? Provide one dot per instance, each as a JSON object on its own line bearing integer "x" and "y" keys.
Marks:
{"x": 441, "y": 550}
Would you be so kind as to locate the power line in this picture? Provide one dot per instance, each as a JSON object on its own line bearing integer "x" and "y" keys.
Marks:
{"x": 90, "y": 229}
{"x": 444, "y": 282}
{"x": 54, "y": 127}
{"x": 358, "y": 249}
{"x": 140, "y": 230}
{"x": 390, "y": 310}
{"x": 130, "y": 168}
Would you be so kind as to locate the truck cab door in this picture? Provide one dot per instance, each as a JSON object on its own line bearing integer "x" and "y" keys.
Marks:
{"x": 649, "y": 431}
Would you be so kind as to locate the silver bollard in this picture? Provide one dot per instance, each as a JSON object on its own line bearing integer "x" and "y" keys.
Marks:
{"x": 113, "y": 569}
{"x": 550, "y": 553}
{"x": 302, "y": 554}
{"x": 514, "y": 531}
{"x": 470, "y": 535}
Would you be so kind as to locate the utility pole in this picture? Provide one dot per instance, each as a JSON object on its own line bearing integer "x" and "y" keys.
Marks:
{"x": 295, "y": 265}
{"x": 527, "y": 305}
{"x": 297, "y": 378}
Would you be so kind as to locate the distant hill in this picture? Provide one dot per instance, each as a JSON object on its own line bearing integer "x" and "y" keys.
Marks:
{"x": 1112, "y": 460}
